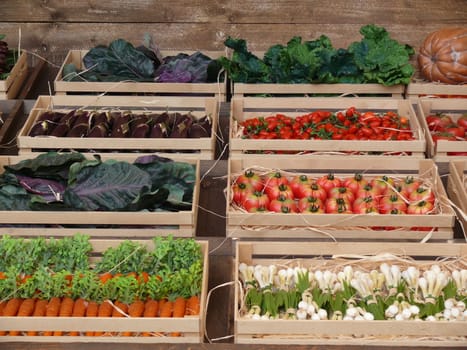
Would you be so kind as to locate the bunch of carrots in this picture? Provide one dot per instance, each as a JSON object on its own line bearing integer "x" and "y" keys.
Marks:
{"x": 172, "y": 292}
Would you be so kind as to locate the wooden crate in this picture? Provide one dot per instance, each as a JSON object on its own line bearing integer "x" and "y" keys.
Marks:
{"x": 339, "y": 332}
{"x": 10, "y": 87}
{"x": 75, "y": 57}
{"x": 457, "y": 190}
{"x": 195, "y": 148}
{"x": 270, "y": 225}
{"x": 452, "y": 106}
{"x": 191, "y": 327}
{"x": 103, "y": 223}
{"x": 249, "y": 107}
{"x": 422, "y": 88}
{"x": 318, "y": 90}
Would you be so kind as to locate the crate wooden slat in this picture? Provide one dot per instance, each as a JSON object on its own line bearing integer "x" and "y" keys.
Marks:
{"x": 144, "y": 224}
{"x": 451, "y": 106}
{"x": 391, "y": 333}
{"x": 319, "y": 90}
{"x": 10, "y": 87}
{"x": 456, "y": 188}
{"x": 421, "y": 88}
{"x": 195, "y": 148}
{"x": 191, "y": 327}
{"x": 75, "y": 57}
{"x": 243, "y": 108}
{"x": 340, "y": 227}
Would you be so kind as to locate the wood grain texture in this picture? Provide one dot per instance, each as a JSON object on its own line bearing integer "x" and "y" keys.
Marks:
{"x": 52, "y": 27}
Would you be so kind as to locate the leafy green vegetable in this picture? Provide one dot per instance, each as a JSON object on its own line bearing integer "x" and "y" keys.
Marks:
{"x": 382, "y": 59}
{"x": 375, "y": 59}
{"x": 67, "y": 182}
{"x": 127, "y": 257}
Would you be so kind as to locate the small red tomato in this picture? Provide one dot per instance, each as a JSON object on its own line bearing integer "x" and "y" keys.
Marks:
{"x": 409, "y": 184}
{"x": 274, "y": 178}
{"x": 365, "y": 205}
{"x": 240, "y": 191}
{"x": 382, "y": 183}
{"x": 462, "y": 121}
{"x": 390, "y": 202}
{"x": 368, "y": 191}
{"x": 297, "y": 183}
{"x": 279, "y": 191}
{"x": 457, "y": 131}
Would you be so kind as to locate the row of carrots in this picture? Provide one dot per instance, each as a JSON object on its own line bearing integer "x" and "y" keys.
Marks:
{"x": 68, "y": 307}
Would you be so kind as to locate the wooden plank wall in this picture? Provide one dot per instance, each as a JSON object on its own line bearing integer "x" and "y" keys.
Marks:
{"x": 52, "y": 27}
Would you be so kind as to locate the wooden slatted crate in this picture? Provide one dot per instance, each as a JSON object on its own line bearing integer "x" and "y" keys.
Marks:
{"x": 319, "y": 90}
{"x": 10, "y": 87}
{"x": 422, "y": 88}
{"x": 457, "y": 189}
{"x": 191, "y": 328}
{"x": 195, "y": 148}
{"x": 217, "y": 90}
{"x": 454, "y": 107}
{"x": 104, "y": 223}
{"x": 340, "y": 227}
{"x": 245, "y": 108}
{"x": 316, "y": 256}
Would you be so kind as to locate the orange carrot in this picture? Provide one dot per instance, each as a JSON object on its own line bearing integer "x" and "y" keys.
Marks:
{"x": 135, "y": 309}
{"x": 12, "y": 306}
{"x": 122, "y": 306}
{"x": 39, "y": 310}
{"x": 105, "y": 310}
{"x": 2, "y": 307}
{"x": 192, "y": 306}
{"x": 66, "y": 309}
{"x": 179, "y": 306}
{"x": 161, "y": 305}
{"x": 166, "y": 309}
{"x": 151, "y": 309}
{"x": 104, "y": 277}
{"x": 79, "y": 310}
{"x": 25, "y": 309}
{"x": 52, "y": 310}
{"x": 91, "y": 311}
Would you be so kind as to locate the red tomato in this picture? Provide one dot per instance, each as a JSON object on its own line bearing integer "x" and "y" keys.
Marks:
{"x": 443, "y": 136}
{"x": 298, "y": 183}
{"x": 390, "y": 202}
{"x": 368, "y": 191}
{"x": 355, "y": 183}
{"x": 275, "y": 178}
{"x": 317, "y": 191}
{"x": 240, "y": 191}
{"x": 421, "y": 207}
{"x": 409, "y": 184}
{"x": 279, "y": 191}
{"x": 462, "y": 121}
{"x": 437, "y": 122}
{"x": 283, "y": 206}
{"x": 329, "y": 181}
{"x": 252, "y": 178}
{"x": 342, "y": 192}
{"x": 306, "y": 202}
{"x": 256, "y": 201}
{"x": 382, "y": 183}
{"x": 365, "y": 205}
{"x": 422, "y": 193}
{"x": 457, "y": 131}
{"x": 338, "y": 206}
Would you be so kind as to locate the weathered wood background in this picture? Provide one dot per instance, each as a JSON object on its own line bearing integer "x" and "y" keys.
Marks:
{"x": 52, "y": 27}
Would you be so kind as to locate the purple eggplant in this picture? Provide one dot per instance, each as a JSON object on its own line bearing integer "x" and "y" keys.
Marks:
{"x": 99, "y": 130}
{"x": 40, "y": 129}
{"x": 139, "y": 127}
{"x": 159, "y": 130}
{"x": 64, "y": 125}
{"x": 121, "y": 125}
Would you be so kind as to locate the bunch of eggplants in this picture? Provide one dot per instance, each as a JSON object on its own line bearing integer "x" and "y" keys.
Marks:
{"x": 121, "y": 124}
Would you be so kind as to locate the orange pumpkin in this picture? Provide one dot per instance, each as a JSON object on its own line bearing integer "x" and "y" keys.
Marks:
{"x": 443, "y": 56}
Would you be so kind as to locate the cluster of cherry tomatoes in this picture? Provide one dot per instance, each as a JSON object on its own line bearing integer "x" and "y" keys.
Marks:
{"x": 355, "y": 194}
{"x": 349, "y": 124}
{"x": 444, "y": 127}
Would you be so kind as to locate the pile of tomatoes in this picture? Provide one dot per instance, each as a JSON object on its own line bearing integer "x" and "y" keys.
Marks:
{"x": 357, "y": 194}
{"x": 349, "y": 124}
{"x": 443, "y": 127}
